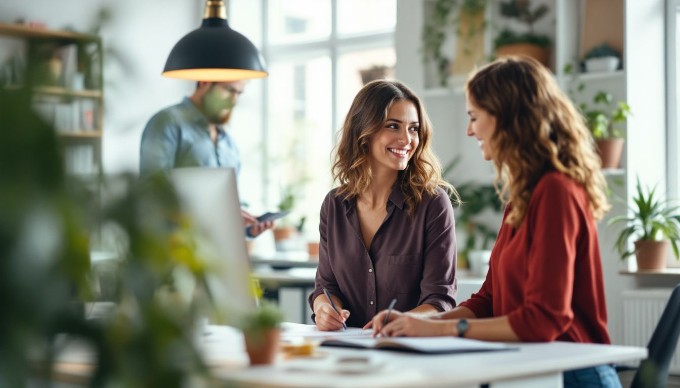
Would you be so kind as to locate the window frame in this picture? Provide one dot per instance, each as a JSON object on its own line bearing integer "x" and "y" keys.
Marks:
{"x": 672, "y": 90}
{"x": 334, "y": 46}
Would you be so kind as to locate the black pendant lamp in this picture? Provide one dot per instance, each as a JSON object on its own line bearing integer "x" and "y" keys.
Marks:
{"x": 214, "y": 52}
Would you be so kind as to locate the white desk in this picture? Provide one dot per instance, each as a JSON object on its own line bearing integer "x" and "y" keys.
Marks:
{"x": 532, "y": 365}
{"x": 284, "y": 260}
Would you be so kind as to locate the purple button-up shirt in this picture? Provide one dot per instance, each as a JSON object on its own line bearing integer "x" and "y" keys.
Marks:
{"x": 412, "y": 259}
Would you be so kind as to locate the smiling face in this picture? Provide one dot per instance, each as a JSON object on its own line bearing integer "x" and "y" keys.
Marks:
{"x": 482, "y": 126}
{"x": 395, "y": 143}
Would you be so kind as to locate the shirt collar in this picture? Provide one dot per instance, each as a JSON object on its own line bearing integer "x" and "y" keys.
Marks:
{"x": 396, "y": 198}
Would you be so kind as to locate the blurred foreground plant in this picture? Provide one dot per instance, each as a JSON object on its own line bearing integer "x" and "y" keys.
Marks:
{"x": 46, "y": 220}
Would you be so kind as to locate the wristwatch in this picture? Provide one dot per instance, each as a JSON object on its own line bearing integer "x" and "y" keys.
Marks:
{"x": 462, "y": 327}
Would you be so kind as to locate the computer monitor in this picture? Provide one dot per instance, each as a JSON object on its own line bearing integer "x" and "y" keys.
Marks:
{"x": 210, "y": 198}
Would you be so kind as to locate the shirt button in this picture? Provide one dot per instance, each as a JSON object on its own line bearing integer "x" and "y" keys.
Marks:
{"x": 371, "y": 302}
{"x": 370, "y": 270}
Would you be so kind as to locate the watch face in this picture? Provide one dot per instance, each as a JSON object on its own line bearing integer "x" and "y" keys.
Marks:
{"x": 462, "y": 327}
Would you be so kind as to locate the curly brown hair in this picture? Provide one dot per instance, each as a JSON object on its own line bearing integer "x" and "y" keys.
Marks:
{"x": 538, "y": 129}
{"x": 365, "y": 118}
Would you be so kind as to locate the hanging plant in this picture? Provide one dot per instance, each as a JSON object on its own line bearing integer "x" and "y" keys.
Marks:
{"x": 444, "y": 19}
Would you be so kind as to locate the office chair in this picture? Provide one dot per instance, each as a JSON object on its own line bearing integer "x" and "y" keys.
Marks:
{"x": 653, "y": 371}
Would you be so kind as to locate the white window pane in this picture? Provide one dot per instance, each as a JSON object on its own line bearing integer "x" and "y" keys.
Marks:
{"x": 350, "y": 67}
{"x": 246, "y": 127}
{"x": 300, "y": 136}
{"x": 294, "y": 21}
{"x": 363, "y": 16}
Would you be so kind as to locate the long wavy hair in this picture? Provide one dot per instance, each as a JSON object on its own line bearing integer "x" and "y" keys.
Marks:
{"x": 538, "y": 129}
{"x": 367, "y": 116}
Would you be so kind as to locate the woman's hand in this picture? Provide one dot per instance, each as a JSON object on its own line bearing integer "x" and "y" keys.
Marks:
{"x": 407, "y": 325}
{"x": 327, "y": 319}
{"x": 379, "y": 320}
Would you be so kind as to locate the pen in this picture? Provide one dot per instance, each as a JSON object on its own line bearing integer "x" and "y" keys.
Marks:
{"x": 389, "y": 310}
{"x": 328, "y": 295}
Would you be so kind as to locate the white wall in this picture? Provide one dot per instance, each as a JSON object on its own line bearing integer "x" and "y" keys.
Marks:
{"x": 143, "y": 32}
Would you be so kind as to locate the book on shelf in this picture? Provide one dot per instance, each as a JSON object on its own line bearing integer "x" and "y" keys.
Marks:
{"x": 79, "y": 115}
{"x": 427, "y": 345}
{"x": 68, "y": 56}
{"x": 79, "y": 160}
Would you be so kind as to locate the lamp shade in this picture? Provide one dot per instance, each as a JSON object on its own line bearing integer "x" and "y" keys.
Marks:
{"x": 214, "y": 52}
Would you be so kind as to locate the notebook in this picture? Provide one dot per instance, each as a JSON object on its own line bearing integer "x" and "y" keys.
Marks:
{"x": 428, "y": 345}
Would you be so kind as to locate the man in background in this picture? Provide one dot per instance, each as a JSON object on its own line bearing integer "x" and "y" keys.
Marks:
{"x": 192, "y": 134}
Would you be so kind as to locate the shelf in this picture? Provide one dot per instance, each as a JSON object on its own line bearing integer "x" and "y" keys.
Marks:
{"x": 22, "y": 31}
{"x": 60, "y": 91}
{"x": 613, "y": 172}
{"x": 80, "y": 135}
{"x": 601, "y": 75}
{"x": 662, "y": 272}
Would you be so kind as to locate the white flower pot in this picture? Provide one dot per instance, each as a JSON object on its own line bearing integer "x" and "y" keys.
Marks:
{"x": 602, "y": 64}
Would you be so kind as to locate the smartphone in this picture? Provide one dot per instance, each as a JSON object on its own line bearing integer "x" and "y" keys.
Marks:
{"x": 272, "y": 216}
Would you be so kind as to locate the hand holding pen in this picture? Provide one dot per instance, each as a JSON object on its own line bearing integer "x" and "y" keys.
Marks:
{"x": 340, "y": 313}
{"x": 382, "y": 319}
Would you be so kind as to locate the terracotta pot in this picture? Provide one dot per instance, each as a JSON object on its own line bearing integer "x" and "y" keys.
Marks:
{"x": 610, "y": 151}
{"x": 262, "y": 346}
{"x": 539, "y": 53}
{"x": 652, "y": 255}
{"x": 283, "y": 233}
{"x": 374, "y": 73}
{"x": 313, "y": 250}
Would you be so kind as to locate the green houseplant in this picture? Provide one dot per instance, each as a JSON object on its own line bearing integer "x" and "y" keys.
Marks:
{"x": 262, "y": 333}
{"x": 476, "y": 200}
{"x": 654, "y": 224}
{"x": 601, "y": 58}
{"x": 604, "y": 118}
{"x": 466, "y": 19}
{"x": 49, "y": 224}
{"x": 528, "y": 42}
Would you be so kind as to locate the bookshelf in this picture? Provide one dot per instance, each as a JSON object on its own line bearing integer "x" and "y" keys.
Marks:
{"x": 66, "y": 82}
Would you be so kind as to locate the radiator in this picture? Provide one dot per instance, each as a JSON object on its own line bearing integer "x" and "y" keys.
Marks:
{"x": 641, "y": 311}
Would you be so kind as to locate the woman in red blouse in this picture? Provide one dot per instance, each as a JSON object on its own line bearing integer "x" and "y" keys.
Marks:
{"x": 545, "y": 277}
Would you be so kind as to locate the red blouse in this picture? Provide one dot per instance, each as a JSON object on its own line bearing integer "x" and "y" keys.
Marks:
{"x": 546, "y": 276}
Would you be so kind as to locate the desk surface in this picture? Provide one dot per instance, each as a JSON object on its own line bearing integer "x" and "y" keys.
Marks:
{"x": 531, "y": 365}
{"x": 284, "y": 260}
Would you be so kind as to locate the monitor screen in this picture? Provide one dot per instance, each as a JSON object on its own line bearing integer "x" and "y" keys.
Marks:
{"x": 210, "y": 198}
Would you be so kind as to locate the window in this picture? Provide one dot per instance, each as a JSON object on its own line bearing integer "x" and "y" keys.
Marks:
{"x": 314, "y": 51}
{"x": 673, "y": 95}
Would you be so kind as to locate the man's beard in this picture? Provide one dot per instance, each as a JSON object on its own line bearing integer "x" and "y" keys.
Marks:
{"x": 220, "y": 118}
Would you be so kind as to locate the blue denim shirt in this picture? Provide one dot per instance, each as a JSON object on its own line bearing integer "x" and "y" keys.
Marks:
{"x": 178, "y": 136}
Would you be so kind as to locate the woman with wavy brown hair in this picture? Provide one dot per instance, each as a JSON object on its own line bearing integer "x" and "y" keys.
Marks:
{"x": 545, "y": 275}
{"x": 387, "y": 231}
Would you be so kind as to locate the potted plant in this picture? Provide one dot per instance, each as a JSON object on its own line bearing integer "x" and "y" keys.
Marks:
{"x": 287, "y": 229}
{"x": 375, "y": 72}
{"x": 477, "y": 200}
{"x": 604, "y": 118}
{"x": 262, "y": 333}
{"x": 654, "y": 224}
{"x": 467, "y": 20}
{"x": 528, "y": 43}
{"x": 601, "y": 58}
